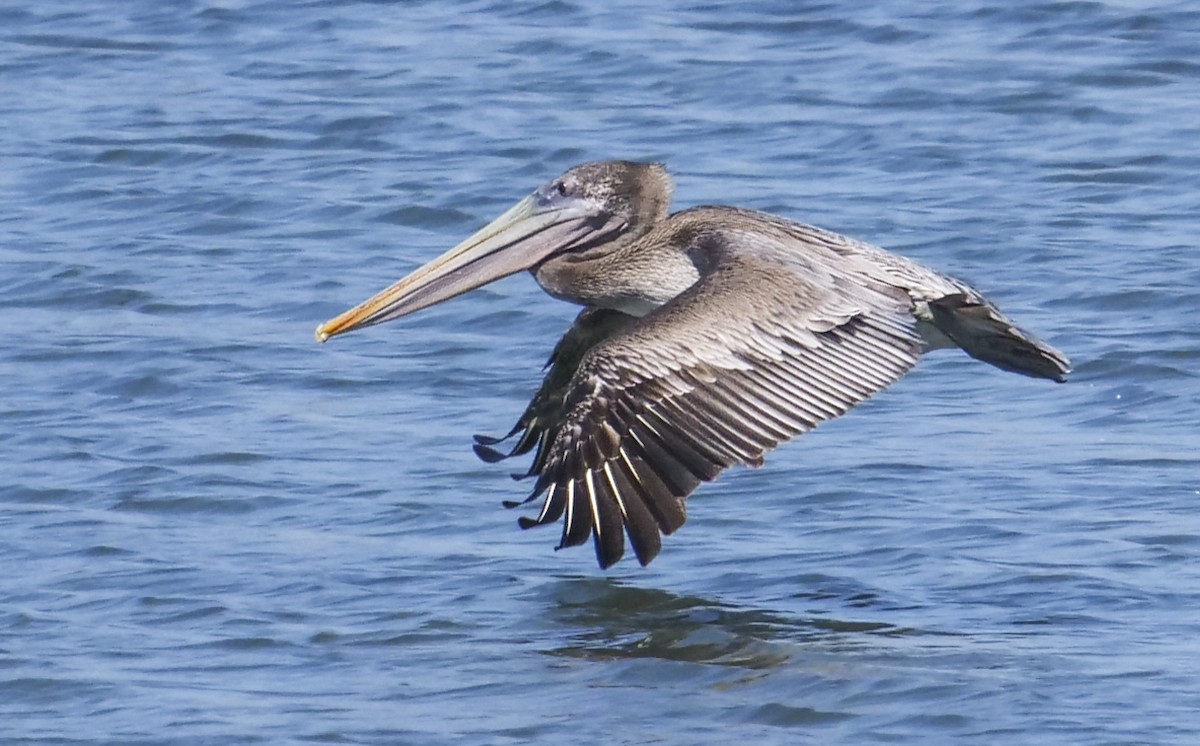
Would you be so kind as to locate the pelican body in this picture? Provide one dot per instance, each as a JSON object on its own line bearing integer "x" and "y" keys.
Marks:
{"x": 708, "y": 337}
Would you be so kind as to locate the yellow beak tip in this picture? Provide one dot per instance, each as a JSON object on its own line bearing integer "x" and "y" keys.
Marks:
{"x": 321, "y": 334}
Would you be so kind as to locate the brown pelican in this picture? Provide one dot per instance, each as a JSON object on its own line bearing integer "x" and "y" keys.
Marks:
{"x": 708, "y": 337}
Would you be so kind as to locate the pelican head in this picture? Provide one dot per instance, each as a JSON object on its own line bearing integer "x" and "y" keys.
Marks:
{"x": 590, "y": 206}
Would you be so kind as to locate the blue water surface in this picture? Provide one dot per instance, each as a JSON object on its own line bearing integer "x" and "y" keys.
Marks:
{"x": 214, "y": 531}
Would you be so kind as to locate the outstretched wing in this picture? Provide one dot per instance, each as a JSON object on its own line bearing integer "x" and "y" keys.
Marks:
{"x": 758, "y": 351}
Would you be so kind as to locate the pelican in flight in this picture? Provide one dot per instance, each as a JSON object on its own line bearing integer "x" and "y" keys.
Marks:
{"x": 707, "y": 337}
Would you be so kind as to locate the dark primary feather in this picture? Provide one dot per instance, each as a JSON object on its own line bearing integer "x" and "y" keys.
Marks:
{"x": 984, "y": 333}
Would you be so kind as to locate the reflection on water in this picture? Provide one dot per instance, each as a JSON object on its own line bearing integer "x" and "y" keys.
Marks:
{"x": 609, "y": 619}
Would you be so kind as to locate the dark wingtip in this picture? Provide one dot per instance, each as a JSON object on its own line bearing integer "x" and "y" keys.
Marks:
{"x": 646, "y": 551}
{"x": 491, "y": 440}
{"x": 519, "y": 503}
{"x": 485, "y": 453}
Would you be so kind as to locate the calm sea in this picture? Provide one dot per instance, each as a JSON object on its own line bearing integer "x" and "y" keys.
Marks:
{"x": 214, "y": 531}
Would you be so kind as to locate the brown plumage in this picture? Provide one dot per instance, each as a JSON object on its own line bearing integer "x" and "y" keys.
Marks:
{"x": 708, "y": 338}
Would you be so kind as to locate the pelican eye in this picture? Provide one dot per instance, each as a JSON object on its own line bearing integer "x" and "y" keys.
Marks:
{"x": 555, "y": 192}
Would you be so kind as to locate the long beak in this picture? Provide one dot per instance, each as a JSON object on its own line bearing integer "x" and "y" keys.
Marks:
{"x": 517, "y": 240}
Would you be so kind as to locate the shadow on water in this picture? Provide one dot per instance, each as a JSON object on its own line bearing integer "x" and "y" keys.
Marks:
{"x": 607, "y": 620}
